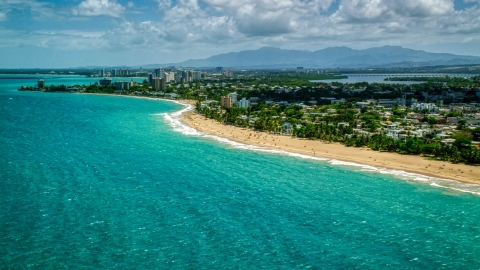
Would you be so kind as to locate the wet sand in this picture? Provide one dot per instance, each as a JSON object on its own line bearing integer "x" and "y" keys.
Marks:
{"x": 409, "y": 163}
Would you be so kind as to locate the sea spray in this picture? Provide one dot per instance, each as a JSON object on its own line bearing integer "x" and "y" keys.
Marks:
{"x": 175, "y": 121}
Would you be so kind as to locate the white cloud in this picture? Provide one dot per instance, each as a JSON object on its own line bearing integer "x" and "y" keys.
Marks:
{"x": 269, "y": 17}
{"x": 301, "y": 23}
{"x": 422, "y": 8}
{"x": 186, "y": 27}
{"x": 164, "y": 4}
{"x": 385, "y": 10}
{"x": 99, "y": 8}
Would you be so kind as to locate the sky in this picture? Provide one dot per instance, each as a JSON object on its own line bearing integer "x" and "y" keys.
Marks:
{"x": 75, "y": 33}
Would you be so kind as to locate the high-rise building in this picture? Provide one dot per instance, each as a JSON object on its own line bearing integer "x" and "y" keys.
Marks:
{"x": 122, "y": 85}
{"x": 190, "y": 75}
{"x": 150, "y": 77}
{"x": 187, "y": 76}
{"x": 219, "y": 70}
{"x": 105, "y": 82}
{"x": 197, "y": 75}
{"x": 158, "y": 72}
{"x": 226, "y": 102}
{"x": 169, "y": 76}
{"x": 233, "y": 96}
{"x": 178, "y": 76}
{"x": 243, "y": 103}
{"x": 158, "y": 84}
{"x": 41, "y": 83}
{"x": 114, "y": 72}
{"x": 229, "y": 73}
{"x": 102, "y": 73}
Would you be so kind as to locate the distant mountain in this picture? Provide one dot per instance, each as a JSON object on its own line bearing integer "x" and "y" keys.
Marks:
{"x": 334, "y": 57}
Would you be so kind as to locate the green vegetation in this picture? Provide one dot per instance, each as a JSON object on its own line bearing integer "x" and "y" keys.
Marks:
{"x": 312, "y": 115}
{"x": 334, "y": 123}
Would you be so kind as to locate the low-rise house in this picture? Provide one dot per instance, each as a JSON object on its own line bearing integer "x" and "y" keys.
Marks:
{"x": 448, "y": 141}
{"x": 287, "y": 129}
{"x": 442, "y": 136}
{"x": 338, "y": 101}
{"x": 331, "y": 110}
{"x": 361, "y": 132}
{"x": 72, "y": 89}
{"x": 254, "y": 100}
{"x": 252, "y": 120}
{"x": 362, "y": 104}
{"x": 396, "y": 133}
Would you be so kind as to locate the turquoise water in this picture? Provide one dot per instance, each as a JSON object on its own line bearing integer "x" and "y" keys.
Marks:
{"x": 92, "y": 182}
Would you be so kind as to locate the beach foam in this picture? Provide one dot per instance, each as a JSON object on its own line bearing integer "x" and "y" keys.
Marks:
{"x": 174, "y": 120}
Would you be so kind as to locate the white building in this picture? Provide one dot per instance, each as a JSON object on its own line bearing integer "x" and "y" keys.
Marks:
{"x": 197, "y": 75}
{"x": 424, "y": 106}
{"x": 169, "y": 76}
{"x": 393, "y": 133}
{"x": 338, "y": 101}
{"x": 233, "y": 96}
{"x": 243, "y": 103}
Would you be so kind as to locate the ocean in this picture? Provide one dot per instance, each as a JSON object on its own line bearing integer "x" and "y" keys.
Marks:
{"x": 95, "y": 181}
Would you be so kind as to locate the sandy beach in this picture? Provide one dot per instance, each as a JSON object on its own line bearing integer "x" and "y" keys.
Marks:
{"x": 414, "y": 164}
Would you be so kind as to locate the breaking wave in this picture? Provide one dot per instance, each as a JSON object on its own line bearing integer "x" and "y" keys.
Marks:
{"x": 174, "y": 120}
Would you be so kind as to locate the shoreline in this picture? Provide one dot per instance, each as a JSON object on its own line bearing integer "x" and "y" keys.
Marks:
{"x": 317, "y": 149}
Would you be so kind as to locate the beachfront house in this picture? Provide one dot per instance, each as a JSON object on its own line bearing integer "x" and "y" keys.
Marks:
{"x": 287, "y": 129}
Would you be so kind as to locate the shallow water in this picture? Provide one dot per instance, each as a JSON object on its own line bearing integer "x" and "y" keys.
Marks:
{"x": 380, "y": 78}
{"x": 112, "y": 182}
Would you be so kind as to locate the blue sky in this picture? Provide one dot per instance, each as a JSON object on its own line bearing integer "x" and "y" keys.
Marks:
{"x": 54, "y": 34}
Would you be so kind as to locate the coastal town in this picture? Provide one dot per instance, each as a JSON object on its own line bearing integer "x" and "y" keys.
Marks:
{"x": 438, "y": 117}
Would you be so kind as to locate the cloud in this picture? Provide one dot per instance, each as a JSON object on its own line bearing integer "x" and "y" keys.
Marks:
{"x": 387, "y": 10}
{"x": 300, "y": 23}
{"x": 422, "y": 8}
{"x": 190, "y": 28}
{"x": 99, "y": 8}
{"x": 163, "y": 4}
{"x": 269, "y": 17}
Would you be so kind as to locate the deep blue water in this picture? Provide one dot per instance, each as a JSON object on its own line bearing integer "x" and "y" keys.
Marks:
{"x": 90, "y": 182}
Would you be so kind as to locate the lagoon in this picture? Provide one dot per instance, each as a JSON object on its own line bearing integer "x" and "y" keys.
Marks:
{"x": 380, "y": 78}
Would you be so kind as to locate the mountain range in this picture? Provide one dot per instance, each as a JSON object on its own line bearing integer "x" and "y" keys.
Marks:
{"x": 333, "y": 57}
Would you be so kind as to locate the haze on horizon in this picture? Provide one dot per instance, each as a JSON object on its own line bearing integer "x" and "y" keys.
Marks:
{"x": 61, "y": 33}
